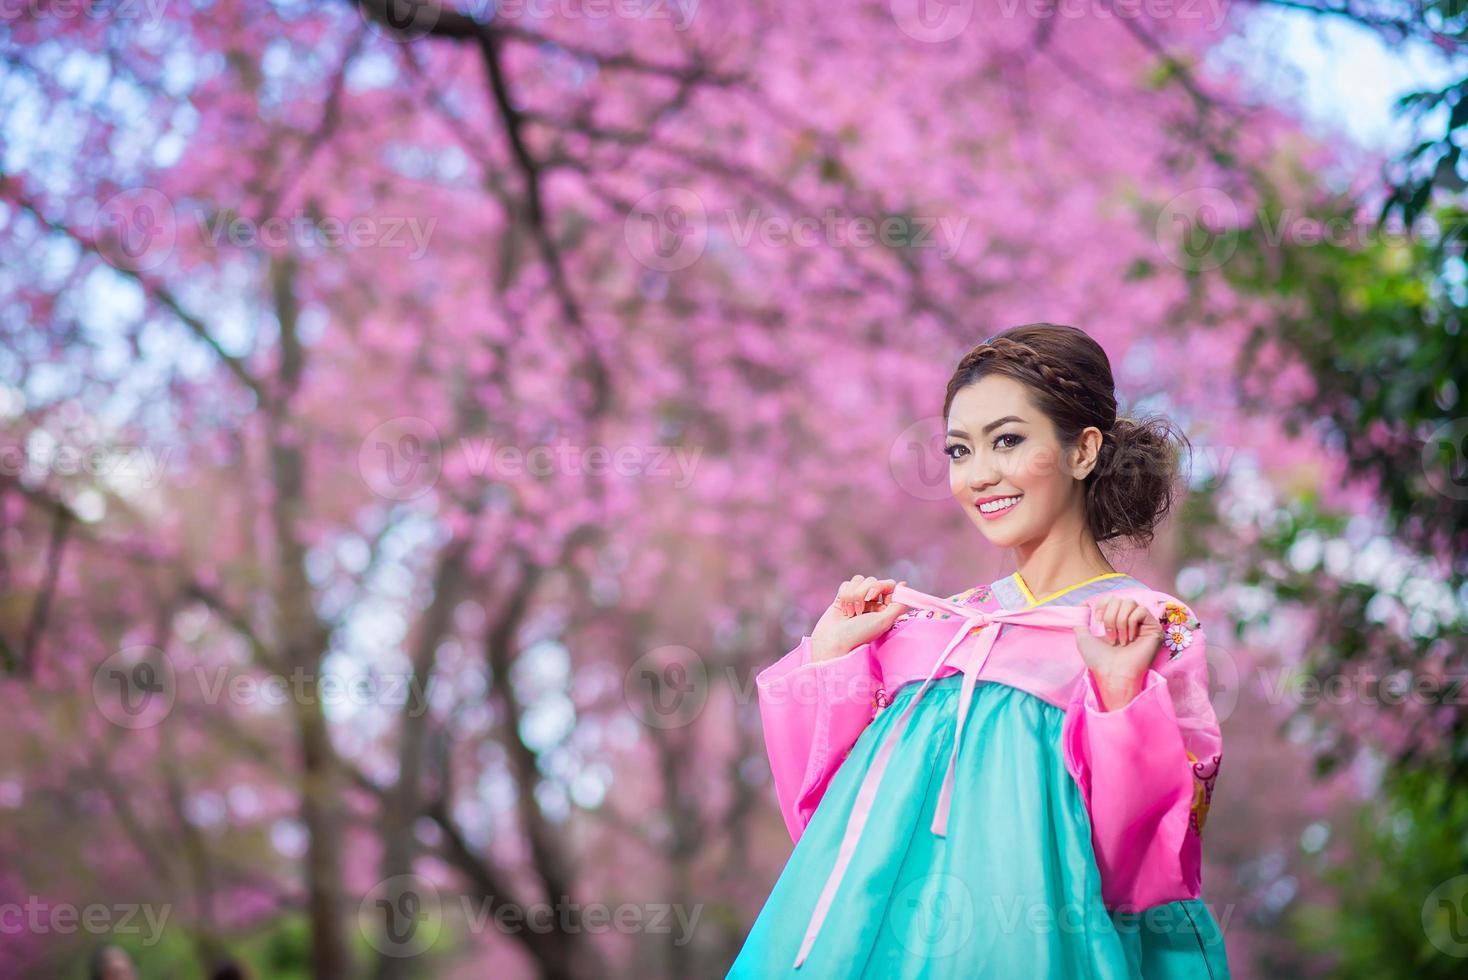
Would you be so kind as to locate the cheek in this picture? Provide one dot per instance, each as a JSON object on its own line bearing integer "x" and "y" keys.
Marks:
{"x": 957, "y": 479}
{"x": 1034, "y": 470}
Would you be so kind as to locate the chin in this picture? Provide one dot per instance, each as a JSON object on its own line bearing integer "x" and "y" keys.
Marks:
{"x": 1007, "y": 537}
{"x": 998, "y": 539}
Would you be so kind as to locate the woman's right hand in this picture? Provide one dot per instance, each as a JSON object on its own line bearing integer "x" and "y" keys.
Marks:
{"x": 862, "y": 611}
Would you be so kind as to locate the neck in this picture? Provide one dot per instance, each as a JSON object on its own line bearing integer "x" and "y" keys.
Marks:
{"x": 1060, "y": 561}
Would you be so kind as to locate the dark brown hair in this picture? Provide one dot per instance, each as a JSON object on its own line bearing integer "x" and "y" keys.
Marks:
{"x": 1131, "y": 488}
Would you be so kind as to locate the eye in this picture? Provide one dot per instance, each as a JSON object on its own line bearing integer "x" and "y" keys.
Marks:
{"x": 1009, "y": 435}
{"x": 952, "y": 448}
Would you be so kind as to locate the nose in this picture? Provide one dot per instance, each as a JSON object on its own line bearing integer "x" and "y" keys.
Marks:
{"x": 982, "y": 474}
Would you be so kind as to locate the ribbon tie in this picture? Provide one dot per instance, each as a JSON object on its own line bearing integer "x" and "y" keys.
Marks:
{"x": 970, "y": 619}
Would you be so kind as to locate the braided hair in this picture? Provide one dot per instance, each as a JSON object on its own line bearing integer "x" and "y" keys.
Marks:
{"x": 1132, "y": 486}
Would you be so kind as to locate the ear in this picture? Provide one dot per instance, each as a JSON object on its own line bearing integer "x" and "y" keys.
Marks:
{"x": 1085, "y": 452}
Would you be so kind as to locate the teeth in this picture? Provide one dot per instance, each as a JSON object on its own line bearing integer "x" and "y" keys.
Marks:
{"x": 997, "y": 505}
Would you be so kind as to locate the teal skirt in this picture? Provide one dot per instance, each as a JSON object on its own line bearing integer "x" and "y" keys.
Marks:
{"x": 1012, "y": 891}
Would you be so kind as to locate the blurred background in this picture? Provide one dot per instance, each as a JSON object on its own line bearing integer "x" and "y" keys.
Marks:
{"x": 419, "y": 423}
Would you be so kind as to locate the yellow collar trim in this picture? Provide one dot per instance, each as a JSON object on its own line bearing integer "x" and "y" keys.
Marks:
{"x": 1030, "y": 596}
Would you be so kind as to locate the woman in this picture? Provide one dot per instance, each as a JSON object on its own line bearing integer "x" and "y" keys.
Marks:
{"x": 1013, "y": 781}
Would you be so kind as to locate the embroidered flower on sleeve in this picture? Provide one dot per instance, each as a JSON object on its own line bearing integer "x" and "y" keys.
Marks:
{"x": 1205, "y": 774}
{"x": 1178, "y": 624}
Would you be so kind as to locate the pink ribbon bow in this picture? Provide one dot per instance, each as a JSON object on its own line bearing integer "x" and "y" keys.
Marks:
{"x": 988, "y": 623}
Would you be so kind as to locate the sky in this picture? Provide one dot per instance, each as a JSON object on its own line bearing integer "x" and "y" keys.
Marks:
{"x": 1339, "y": 76}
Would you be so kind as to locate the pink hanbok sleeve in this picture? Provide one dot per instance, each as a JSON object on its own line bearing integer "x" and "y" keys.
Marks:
{"x": 1146, "y": 769}
{"x": 812, "y": 714}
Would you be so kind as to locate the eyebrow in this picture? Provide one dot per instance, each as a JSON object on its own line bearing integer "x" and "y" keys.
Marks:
{"x": 988, "y": 428}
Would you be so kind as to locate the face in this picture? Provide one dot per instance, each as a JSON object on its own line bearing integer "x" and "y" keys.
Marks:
{"x": 1005, "y": 455}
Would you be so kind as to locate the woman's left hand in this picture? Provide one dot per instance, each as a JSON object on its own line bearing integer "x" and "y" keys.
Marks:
{"x": 1119, "y": 659}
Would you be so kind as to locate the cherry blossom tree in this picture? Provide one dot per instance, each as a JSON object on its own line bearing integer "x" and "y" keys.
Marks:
{"x": 408, "y": 403}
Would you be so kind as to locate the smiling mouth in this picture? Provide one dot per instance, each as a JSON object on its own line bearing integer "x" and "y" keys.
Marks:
{"x": 1003, "y": 505}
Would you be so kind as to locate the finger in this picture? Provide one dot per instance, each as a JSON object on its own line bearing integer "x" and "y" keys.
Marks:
{"x": 871, "y": 588}
{"x": 876, "y": 593}
{"x": 1120, "y": 620}
{"x": 1119, "y": 612}
{"x": 1124, "y": 621}
{"x": 1106, "y": 612}
{"x": 1137, "y": 620}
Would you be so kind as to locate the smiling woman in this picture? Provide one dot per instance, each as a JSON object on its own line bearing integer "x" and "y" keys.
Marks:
{"x": 1036, "y": 443}
{"x": 1034, "y": 805}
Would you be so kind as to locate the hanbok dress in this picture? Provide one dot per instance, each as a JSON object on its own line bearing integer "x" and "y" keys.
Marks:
{"x": 963, "y": 805}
